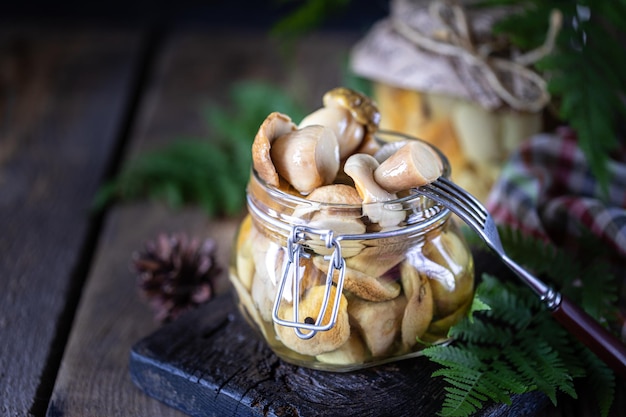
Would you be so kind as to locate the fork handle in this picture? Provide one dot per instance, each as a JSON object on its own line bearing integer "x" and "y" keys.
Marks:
{"x": 588, "y": 331}
{"x": 573, "y": 318}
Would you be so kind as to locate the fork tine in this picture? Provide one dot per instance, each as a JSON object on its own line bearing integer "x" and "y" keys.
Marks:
{"x": 467, "y": 198}
{"x": 467, "y": 207}
{"x": 455, "y": 204}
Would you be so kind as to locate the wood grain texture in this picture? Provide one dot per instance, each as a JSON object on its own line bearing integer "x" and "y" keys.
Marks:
{"x": 63, "y": 98}
{"x": 211, "y": 363}
{"x": 94, "y": 379}
{"x": 192, "y": 70}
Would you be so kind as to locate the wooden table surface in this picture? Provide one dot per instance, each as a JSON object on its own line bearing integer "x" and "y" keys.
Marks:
{"x": 76, "y": 104}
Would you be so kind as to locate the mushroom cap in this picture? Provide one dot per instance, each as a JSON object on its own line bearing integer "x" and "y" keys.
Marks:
{"x": 379, "y": 260}
{"x": 339, "y": 225}
{"x": 330, "y": 204}
{"x": 275, "y": 124}
{"x": 307, "y": 158}
{"x": 378, "y": 322}
{"x": 349, "y": 131}
{"x": 362, "y": 108}
{"x": 310, "y": 305}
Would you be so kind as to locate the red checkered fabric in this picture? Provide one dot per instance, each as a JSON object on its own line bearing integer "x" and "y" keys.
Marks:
{"x": 547, "y": 190}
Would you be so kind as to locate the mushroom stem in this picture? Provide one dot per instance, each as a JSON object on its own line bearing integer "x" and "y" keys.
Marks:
{"x": 361, "y": 167}
{"x": 413, "y": 165}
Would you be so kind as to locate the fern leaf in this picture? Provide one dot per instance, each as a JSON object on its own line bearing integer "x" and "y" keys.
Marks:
{"x": 600, "y": 381}
{"x": 210, "y": 173}
{"x": 561, "y": 341}
{"x": 495, "y": 357}
{"x": 505, "y": 302}
{"x": 585, "y": 72}
{"x": 542, "y": 365}
{"x": 309, "y": 15}
{"x": 453, "y": 355}
{"x": 480, "y": 331}
{"x": 591, "y": 284}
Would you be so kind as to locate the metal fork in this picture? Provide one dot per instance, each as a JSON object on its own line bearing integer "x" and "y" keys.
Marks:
{"x": 584, "y": 327}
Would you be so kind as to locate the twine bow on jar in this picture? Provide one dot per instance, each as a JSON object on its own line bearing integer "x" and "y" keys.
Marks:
{"x": 510, "y": 79}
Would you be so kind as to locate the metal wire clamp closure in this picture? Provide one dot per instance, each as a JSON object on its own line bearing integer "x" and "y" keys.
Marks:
{"x": 298, "y": 235}
{"x": 291, "y": 269}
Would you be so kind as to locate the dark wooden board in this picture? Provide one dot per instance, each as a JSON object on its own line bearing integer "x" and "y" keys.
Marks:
{"x": 211, "y": 363}
{"x": 63, "y": 99}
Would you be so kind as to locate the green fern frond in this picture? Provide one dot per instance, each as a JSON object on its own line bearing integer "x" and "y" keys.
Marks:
{"x": 540, "y": 365}
{"x": 211, "y": 173}
{"x": 561, "y": 341}
{"x": 307, "y": 16}
{"x": 489, "y": 364}
{"x": 506, "y": 304}
{"x": 477, "y": 305}
{"x": 481, "y": 332}
{"x": 589, "y": 284}
{"x": 467, "y": 390}
{"x": 585, "y": 72}
{"x": 600, "y": 381}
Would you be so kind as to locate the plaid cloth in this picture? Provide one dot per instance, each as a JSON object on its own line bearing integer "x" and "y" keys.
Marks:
{"x": 547, "y": 190}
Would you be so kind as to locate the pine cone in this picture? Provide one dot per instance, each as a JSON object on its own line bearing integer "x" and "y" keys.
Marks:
{"x": 176, "y": 273}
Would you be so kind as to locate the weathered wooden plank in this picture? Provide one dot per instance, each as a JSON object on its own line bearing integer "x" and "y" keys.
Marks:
{"x": 94, "y": 379}
{"x": 63, "y": 98}
{"x": 217, "y": 366}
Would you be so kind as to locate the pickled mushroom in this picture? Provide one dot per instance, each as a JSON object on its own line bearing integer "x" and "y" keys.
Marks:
{"x": 377, "y": 260}
{"x": 306, "y": 158}
{"x": 447, "y": 251}
{"x": 245, "y": 260}
{"x": 351, "y": 115}
{"x": 361, "y": 284}
{"x": 275, "y": 124}
{"x": 419, "y": 309}
{"x": 309, "y": 307}
{"x": 268, "y": 262}
{"x": 360, "y": 167}
{"x": 413, "y": 165}
{"x": 345, "y": 219}
{"x": 362, "y": 108}
{"x": 350, "y": 353}
{"x": 378, "y": 323}
{"x": 348, "y": 131}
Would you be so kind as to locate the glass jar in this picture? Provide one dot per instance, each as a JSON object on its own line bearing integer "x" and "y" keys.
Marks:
{"x": 329, "y": 289}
